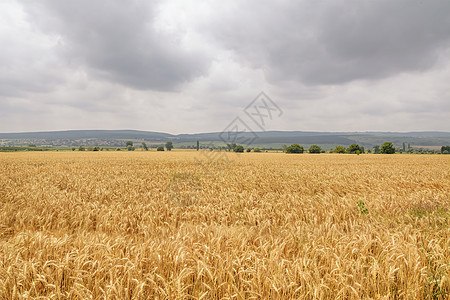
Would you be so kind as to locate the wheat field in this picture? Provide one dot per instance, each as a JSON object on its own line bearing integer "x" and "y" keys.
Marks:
{"x": 175, "y": 225}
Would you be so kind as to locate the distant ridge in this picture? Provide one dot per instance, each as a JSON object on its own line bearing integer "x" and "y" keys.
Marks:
{"x": 85, "y": 134}
{"x": 426, "y": 138}
{"x": 127, "y": 133}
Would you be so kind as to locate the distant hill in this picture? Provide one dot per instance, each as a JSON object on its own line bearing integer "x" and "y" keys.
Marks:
{"x": 87, "y": 134}
{"x": 266, "y": 138}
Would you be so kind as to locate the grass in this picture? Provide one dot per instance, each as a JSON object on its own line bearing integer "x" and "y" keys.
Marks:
{"x": 140, "y": 225}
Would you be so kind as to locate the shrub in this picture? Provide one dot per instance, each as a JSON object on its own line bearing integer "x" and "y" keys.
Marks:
{"x": 339, "y": 149}
{"x": 314, "y": 149}
{"x": 160, "y": 148}
{"x": 238, "y": 148}
{"x": 257, "y": 149}
{"x": 294, "y": 148}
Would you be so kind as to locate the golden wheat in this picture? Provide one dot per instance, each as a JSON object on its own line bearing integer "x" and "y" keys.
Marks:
{"x": 175, "y": 225}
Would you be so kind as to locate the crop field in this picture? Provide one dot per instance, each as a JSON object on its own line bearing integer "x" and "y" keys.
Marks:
{"x": 176, "y": 225}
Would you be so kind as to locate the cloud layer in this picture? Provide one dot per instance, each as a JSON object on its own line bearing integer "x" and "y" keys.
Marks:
{"x": 334, "y": 42}
{"x": 118, "y": 42}
{"x": 182, "y": 66}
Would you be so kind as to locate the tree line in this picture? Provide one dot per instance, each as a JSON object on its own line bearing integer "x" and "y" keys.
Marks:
{"x": 386, "y": 148}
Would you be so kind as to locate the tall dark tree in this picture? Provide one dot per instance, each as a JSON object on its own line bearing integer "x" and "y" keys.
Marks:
{"x": 376, "y": 149}
{"x": 169, "y": 145}
{"x": 129, "y": 143}
{"x": 144, "y": 145}
{"x": 198, "y": 145}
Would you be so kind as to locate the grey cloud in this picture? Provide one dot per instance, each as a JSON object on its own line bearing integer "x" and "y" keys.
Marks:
{"x": 333, "y": 42}
{"x": 113, "y": 64}
{"x": 25, "y": 65}
{"x": 118, "y": 41}
{"x": 25, "y": 74}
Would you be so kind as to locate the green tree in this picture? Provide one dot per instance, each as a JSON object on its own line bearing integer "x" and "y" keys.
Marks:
{"x": 144, "y": 145}
{"x": 231, "y": 146}
{"x": 198, "y": 145}
{"x": 249, "y": 149}
{"x": 169, "y": 146}
{"x": 130, "y": 148}
{"x": 314, "y": 149}
{"x": 238, "y": 148}
{"x": 445, "y": 149}
{"x": 129, "y": 143}
{"x": 353, "y": 148}
{"x": 257, "y": 149}
{"x": 81, "y": 148}
{"x": 376, "y": 149}
{"x": 96, "y": 148}
{"x": 294, "y": 148}
{"x": 339, "y": 149}
{"x": 387, "y": 148}
{"x": 160, "y": 148}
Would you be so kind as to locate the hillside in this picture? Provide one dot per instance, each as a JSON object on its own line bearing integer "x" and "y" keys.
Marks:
{"x": 267, "y": 138}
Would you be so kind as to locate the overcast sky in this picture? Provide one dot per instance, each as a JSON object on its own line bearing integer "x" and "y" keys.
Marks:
{"x": 193, "y": 66}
